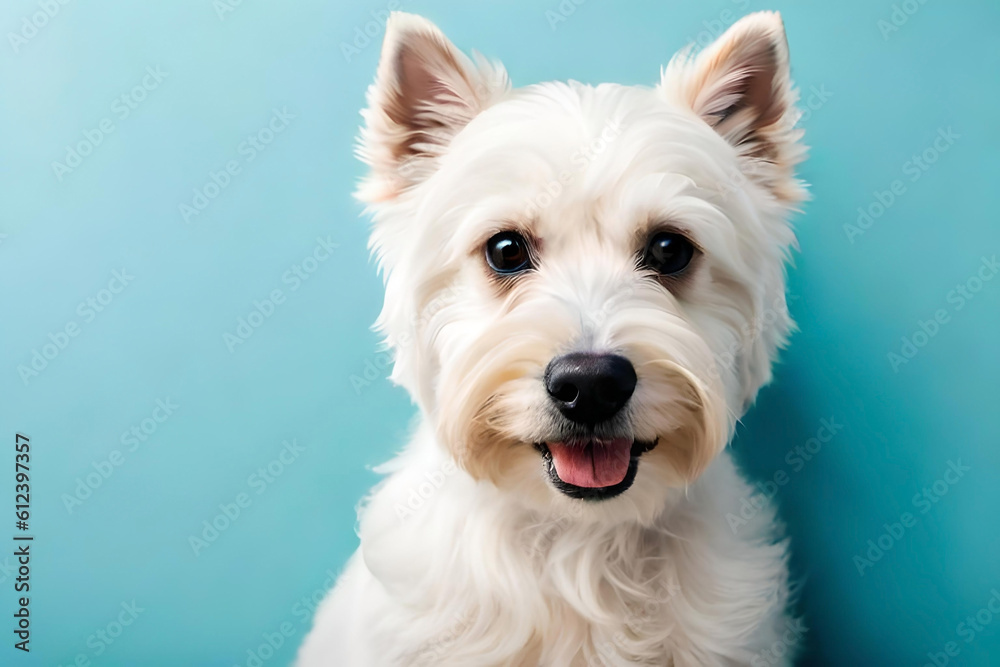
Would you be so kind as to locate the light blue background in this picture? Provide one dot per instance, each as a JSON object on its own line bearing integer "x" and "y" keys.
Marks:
{"x": 162, "y": 336}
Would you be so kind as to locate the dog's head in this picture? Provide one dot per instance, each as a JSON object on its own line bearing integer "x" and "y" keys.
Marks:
{"x": 584, "y": 285}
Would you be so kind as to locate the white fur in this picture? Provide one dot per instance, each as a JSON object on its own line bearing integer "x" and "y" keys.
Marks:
{"x": 469, "y": 556}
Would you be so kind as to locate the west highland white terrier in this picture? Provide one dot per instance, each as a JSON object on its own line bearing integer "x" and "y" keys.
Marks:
{"x": 584, "y": 290}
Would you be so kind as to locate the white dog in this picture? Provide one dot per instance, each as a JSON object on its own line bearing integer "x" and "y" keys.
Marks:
{"x": 584, "y": 290}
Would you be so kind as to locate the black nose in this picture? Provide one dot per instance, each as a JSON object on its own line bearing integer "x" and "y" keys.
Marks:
{"x": 590, "y": 388}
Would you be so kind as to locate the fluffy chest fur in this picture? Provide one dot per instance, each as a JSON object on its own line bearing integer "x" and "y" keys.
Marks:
{"x": 463, "y": 576}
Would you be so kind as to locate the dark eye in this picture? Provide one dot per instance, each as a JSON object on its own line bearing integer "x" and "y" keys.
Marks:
{"x": 668, "y": 253}
{"x": 507, "y": 252}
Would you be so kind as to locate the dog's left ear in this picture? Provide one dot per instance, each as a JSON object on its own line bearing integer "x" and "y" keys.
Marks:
{"x": 425, "y": 92}
{"x": 740, "y": 85}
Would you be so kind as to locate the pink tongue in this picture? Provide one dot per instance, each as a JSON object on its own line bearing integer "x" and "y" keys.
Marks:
{"x": 592, "y": 465}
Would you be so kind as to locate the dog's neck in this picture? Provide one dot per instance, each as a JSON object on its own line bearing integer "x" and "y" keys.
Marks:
{"x": 470, "y": 551}
{"x": 428, "y": 494}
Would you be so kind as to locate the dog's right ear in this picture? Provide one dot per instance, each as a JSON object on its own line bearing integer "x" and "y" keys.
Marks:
{"x": 425, "y": 92}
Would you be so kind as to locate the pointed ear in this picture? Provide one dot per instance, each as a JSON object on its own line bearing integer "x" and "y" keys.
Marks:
{"x": 741, "y": 86}
{"x": 425, "y": 92}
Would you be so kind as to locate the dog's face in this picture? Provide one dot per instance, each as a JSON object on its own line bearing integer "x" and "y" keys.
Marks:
{"x": 584, "y": 285}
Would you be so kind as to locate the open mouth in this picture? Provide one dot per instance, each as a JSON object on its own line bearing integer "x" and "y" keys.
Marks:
{"x": 593, "y": 469}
